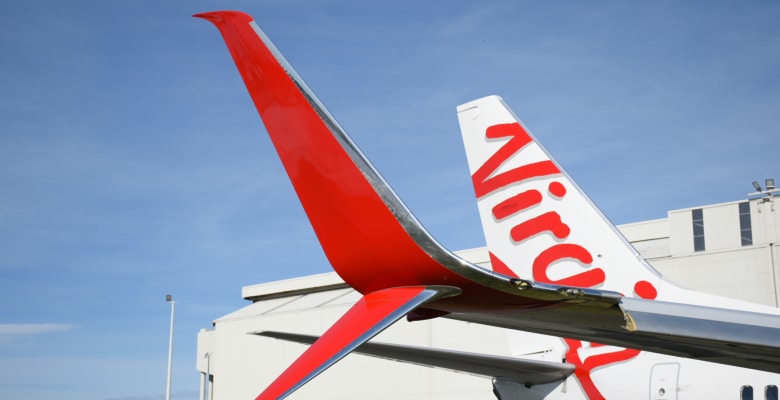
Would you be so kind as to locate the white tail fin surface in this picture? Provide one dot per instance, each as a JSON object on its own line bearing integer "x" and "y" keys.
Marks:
{"x": 538, "y": 223}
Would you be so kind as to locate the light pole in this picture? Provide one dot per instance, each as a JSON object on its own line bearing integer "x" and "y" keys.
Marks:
{"x": 169, "y": 299}
{"x": 205, "y": 378}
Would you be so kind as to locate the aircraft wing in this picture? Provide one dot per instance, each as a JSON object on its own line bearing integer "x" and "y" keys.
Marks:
{"x": 379, "y": 248}
{"x": 739, "y": 338}
{"x": 524, "y": 371}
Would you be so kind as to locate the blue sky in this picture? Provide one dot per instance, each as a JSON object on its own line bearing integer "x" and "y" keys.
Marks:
{"x": 132, "y": 163}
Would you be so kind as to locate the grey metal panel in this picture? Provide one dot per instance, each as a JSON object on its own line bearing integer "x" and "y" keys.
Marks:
{"x": 527, "y": 372}
{"x": 739, "y": 338}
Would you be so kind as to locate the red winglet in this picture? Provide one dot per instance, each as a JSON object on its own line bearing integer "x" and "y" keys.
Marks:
{"x": 369, "y": 316}
{"x": 369, "y": 236}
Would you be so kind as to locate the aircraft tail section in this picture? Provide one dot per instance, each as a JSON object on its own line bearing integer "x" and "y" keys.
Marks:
{"x": 538, "y": 223}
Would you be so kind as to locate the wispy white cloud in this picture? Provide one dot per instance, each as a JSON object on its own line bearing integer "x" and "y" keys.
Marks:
{"x": 31, "y": 329}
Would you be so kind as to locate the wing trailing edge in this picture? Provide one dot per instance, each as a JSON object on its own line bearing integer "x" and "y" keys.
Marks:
{"x": 524, "y": 371}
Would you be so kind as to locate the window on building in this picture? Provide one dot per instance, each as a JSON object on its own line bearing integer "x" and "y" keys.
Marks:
{"x": 746, "y": 393}
{"x": 770, "y": 392}
{"x": 745, "y": 227}
{"x": 698, "y": 229}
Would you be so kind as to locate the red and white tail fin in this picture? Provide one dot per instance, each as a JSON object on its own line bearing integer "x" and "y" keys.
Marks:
{"x": 538, "y": 223}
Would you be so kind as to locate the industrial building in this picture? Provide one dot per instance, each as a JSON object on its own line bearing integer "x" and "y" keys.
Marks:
{"x": 728, "y": 249}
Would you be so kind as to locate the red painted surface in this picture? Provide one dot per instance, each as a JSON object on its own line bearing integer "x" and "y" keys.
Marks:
{"x": 487, "y": 181}
{"x": 500, "y": 266}
{"x": 364, "y": 315}
{"x": 547, "y": 222}
{"x": 584, "y": 366}
{"x": 517, "y": 203}
{"x": 557, "y": 189}
{"x": 363, "y": 240}
{"x": 591, "y": 277}
{"x": 361, "y": 237}
{"x": 645, "y": 290}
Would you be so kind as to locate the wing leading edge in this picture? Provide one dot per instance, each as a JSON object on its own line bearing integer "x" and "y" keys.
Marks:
{"x": 357, "y": 217}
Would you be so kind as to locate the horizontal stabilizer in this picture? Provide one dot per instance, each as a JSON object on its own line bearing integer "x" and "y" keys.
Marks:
{"x": 524, "y": 371}
{"x": 742, "y": 338}
{"x": 739, "y": 338}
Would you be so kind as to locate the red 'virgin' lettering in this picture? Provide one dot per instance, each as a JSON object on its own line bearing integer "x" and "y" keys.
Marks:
{"x": 557, "y": 189}
{"x": 519, "y": 138}
{"x": 500, "y": 267}
{"x": 517, "y": 203}
{"x": 549, "y": 221}
{"x": 488, "y": 180}
{"x": 589, "y": 278}
{"x": 584, "y": 367}
{"x": 645, "y": 290}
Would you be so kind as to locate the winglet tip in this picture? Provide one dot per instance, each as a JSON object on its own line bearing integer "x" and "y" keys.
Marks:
{"x": 217, "y": 17}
